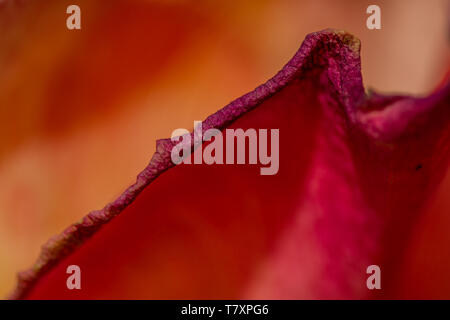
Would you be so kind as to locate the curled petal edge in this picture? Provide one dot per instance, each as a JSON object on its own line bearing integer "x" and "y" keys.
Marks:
{"x": 335, "y": 52}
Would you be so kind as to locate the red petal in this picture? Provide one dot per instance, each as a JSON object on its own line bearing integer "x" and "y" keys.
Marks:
{"x": 355, "y": 174}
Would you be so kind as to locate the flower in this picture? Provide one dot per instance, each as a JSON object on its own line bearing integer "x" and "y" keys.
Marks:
{"x": 357, "y": 173}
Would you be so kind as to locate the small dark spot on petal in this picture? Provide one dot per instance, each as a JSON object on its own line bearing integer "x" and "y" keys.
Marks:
{"x": 418, "y": 167}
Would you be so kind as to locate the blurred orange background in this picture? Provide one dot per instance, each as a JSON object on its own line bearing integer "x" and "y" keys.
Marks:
{"x": 80, "y": 110}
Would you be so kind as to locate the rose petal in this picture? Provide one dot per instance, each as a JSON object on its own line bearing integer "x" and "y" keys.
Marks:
{"x": 355, "y": 173}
